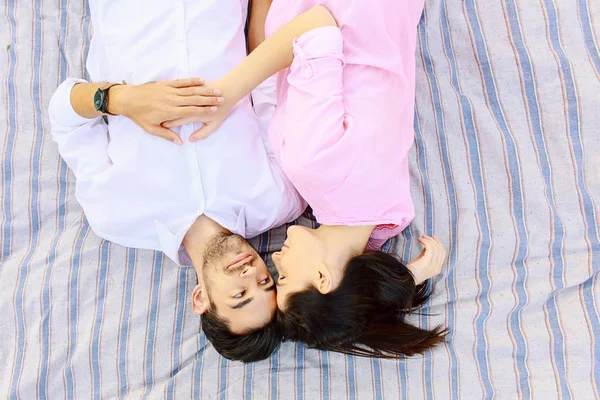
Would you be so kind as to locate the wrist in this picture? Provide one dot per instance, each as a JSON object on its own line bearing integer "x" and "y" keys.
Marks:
{"x": 117, "y": 100}
{"x": 415, "y": 274}
{"x": 234, "y": 89}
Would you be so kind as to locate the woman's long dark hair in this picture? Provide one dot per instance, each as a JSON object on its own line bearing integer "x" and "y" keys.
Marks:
{"x": 364, "y": 315}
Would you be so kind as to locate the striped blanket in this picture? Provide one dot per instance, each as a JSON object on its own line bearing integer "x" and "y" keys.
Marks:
{"x": 505, "y": 170}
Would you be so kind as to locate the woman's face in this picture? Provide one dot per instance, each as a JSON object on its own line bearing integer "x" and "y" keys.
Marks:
{"x": 298, "y": 262}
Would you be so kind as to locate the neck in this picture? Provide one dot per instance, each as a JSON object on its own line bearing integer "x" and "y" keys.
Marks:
{"x": 343, "y": 242}
{"x": 197, "y": 237}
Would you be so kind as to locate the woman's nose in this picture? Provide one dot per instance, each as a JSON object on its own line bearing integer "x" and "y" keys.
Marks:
{"x": 276, "y": 257}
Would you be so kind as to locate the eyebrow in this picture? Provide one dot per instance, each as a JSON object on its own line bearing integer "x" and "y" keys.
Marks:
{"x": 242, "y": 303}
{"x": 245, "y": 302}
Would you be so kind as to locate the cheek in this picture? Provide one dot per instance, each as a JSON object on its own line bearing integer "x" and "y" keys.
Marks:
{"x": 281, "y": 296}
{"x": 295, "y": 256}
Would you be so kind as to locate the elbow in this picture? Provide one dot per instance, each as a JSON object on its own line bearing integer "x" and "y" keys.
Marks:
{"x": 322, "y": 16}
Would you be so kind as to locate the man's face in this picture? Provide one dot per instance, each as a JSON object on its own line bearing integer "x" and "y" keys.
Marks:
{"x": 238, "y": 283}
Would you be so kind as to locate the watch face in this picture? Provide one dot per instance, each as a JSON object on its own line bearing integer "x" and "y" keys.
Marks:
{"x": 98, "y": 98}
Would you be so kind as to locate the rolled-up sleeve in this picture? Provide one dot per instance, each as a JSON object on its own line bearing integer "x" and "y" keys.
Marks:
{"x": 82, "y": 142}
{"x": 316, "y": 148}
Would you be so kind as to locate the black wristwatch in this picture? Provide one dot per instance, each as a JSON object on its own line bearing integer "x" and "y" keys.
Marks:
{"x": 101, "y": 99}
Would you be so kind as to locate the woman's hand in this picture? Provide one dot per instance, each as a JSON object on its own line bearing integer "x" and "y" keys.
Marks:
{"x": 152, "y": 104}
{"x": 212, "y": 121}
{"x": 429, "y": 263}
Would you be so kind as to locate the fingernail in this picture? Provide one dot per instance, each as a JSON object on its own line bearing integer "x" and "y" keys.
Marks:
{"x": 220, "y": 99}
{"x": 178, "y": 142}
{"x": 213, "y": 109}
{"x": 200, "y": 80}
{"x": 217, "y": 92}
{"x": 192, "y": 139}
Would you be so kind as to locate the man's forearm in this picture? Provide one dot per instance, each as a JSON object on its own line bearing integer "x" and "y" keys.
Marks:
{"x": 272, "y": 55}
{"x": 82, "y": 99}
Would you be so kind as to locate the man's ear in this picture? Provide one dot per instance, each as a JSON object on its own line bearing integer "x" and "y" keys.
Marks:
{"x": 200, "y": 300}
{"x": 323, "y": 279}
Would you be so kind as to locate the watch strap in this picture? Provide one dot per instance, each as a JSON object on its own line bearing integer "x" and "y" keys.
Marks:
{"x": 101, "y": 99}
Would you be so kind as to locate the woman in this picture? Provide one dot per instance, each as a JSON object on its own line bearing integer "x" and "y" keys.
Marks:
{"x": 341, "y": 132}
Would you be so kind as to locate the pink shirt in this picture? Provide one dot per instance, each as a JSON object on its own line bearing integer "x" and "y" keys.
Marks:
{"x": 344, "y": 121}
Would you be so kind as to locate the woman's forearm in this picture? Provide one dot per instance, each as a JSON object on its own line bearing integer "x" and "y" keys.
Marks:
{"x": 273, "y": 55}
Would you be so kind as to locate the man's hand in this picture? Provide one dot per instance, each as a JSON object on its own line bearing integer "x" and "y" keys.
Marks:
{"x": 429, "y": 263}
{"x": 151, "y": 104}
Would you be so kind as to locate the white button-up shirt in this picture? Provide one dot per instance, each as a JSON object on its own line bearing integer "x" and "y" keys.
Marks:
{"x": 141, "y": 191}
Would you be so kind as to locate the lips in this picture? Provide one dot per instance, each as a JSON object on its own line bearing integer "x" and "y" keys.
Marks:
{"x": 239, "y": 258}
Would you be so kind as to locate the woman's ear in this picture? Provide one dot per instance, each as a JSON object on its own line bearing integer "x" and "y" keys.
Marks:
{"x": 200, "y": 300}
{"x": 323, "y": 281}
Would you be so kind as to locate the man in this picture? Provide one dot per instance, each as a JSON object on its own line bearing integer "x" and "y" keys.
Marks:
{"x": 193, "y": 201}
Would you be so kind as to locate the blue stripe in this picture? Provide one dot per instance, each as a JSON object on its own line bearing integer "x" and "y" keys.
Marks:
{"x": 223, "y": 378}
{"x": 588, "y": 34}
{"x": 73, "y": 309}
{"x": 99, "y": 317}
{"x": 151, "y": 338}
{"x": 377, "y": 377}
{"x": 249, "y": 372}
{"x": 104, "y": 257}
{"x": 178, "y": 339}
{"x": 124, "y": 328}
{"x": 274, "y": 374}
{"x": 453, "y": 234}
{"x": 557, "y": 245}
{"x": 481, "y": 347}
{"x": 428, "y": 198}
{"x": 428, "y": 373}
{"x": 520, "y": 269}
{"x": 8, "y": 151}
{"x": 86, "y": 36}
{"x": 61, "y": 217}
{"x": 324, "y": 367}
{"x": 589, "y": 212}
{"x": 299, "y": 371}
{"x": 351, "y": 377}
{"x": 198, "y": 368}
{"x": 402, "y": 367}
{"x": 35, "y": 187}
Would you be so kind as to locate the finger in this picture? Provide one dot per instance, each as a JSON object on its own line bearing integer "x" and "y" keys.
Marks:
{"x": 185, "y": 82}
{"x": 203, "y": 132}
{"x": 182, "y": 121}
{"x": 199, "y": 100}
{"x": 167, "y": 134}
{"x": 426, "y": 241}
{"x": 200, "y": 113}
{"x": 197, "y": 91}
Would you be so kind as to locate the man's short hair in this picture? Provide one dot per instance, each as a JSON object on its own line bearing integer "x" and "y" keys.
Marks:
{"x": 253, "y": 345}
